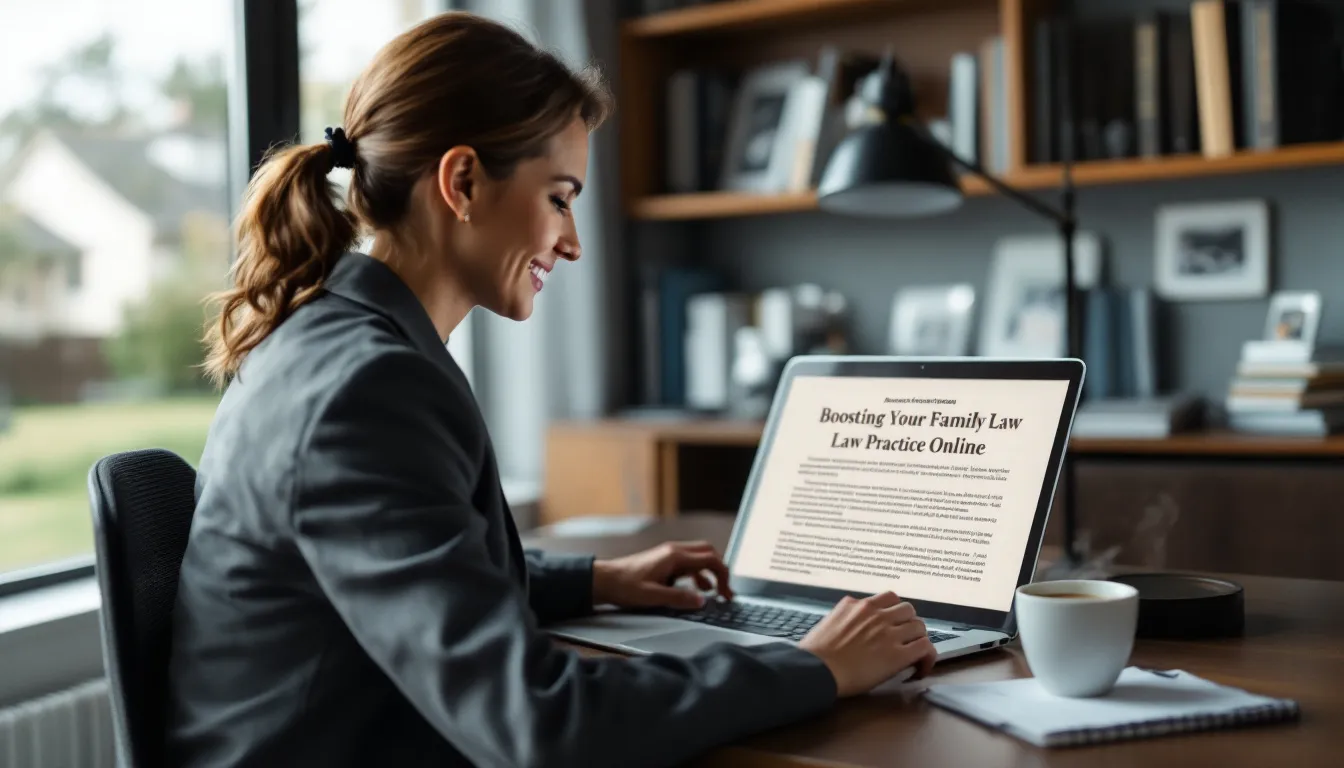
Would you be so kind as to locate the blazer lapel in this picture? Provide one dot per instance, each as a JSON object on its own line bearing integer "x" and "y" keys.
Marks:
{"x": 372, "y": 284}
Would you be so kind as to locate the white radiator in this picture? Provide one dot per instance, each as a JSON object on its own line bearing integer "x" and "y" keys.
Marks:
{"x": 67, "y": 729}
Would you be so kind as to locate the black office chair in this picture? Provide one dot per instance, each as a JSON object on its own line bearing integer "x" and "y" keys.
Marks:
{"x": 143, "y": 502}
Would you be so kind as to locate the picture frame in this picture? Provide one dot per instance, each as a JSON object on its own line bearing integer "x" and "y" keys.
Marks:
{"x": 932, "y": 321}
{"x": 1024, "y": 304}
{"x": 1212, "y": 251}
{"x": 1294, "y": 316}
{"x": 759, "y": 148}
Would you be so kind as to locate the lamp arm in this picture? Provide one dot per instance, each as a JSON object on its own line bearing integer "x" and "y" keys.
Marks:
{"x": 1063, "y": 219}
{"x": 1060, "y": 218}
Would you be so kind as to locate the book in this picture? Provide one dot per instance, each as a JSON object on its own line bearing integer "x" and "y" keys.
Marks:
{"x": 1144, "y": 703}
{"x": 994, "y": 128}
{"x": 1182, "y": 128}
{"x": 1150, "y": 84}
{"x": 1284, "y": 403}
{"x": 963, "y": 106}
{"x": 1138, "y": 417}
{"x": 1309, "y": 423}
{"x": 1279, "y": 351}
{"x": 1216, "y": 28}
{"x": 1285, "y": 385}
{"x": 696, "y": 106}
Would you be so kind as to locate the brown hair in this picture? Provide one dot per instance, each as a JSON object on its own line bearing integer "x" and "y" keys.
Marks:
{"x": 455, "y": 79}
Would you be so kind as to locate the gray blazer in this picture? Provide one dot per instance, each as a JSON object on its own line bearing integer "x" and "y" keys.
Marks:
{"x": 354, "y": 591}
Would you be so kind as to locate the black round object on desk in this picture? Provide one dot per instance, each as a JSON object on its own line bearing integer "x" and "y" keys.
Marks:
{"x": 1186, "y": 607}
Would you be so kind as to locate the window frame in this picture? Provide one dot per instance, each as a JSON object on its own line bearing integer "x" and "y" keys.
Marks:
{"x": 46, "y": 574}
{"x": 262, "y": 112}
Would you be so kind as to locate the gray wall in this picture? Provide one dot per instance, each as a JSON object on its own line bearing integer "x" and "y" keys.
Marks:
{"x": 1200, "y": 341}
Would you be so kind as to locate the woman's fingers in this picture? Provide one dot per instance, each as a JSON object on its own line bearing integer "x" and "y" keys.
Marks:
{"x": 883, "y": 600}
{"x": 696, "y": 562}
{"x": 899, "y": 613}
{"x": 910, "y": 631}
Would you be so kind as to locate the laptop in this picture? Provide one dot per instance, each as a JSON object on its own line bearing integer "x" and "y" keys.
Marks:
{"x": 929, "y": 477}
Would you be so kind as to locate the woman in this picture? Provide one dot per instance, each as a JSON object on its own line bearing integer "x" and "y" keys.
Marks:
{"x": 354, "y": 591}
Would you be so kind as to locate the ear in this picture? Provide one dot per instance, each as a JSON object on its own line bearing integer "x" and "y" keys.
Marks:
{"x": 458, "y": 169}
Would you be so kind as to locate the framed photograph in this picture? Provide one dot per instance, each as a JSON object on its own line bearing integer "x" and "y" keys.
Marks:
{"x": 1024, "y": 308}
{"x": 933, "y": 321}
{"x": 758, "y": 152}
{"x": 1294, "y": 316}
{"x": 1213, "y": 251}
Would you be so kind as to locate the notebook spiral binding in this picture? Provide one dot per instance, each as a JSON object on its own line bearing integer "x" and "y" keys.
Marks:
{"x": 1282, "y": 710}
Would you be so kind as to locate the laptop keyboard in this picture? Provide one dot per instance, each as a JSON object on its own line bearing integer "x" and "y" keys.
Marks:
{"x": 766, "y": 620}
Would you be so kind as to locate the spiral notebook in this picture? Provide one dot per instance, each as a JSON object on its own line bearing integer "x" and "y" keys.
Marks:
{"x": 1143, "y": 704}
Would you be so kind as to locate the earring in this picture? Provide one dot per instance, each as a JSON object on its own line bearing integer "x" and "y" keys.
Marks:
{"x": 467, "y": 217}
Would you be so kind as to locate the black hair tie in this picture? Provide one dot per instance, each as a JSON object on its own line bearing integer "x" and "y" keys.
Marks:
{"x": 342, "y": 149}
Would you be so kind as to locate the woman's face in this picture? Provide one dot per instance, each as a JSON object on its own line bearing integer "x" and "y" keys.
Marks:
{"x": 520, "y": 228}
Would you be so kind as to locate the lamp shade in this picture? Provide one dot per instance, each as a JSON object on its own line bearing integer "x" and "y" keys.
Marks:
{"x": 888, "y": 169}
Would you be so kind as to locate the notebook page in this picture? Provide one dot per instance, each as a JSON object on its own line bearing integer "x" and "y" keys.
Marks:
{"x": 1024, "y": 708}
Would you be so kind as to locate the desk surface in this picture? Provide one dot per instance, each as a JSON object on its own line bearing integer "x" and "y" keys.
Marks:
{"x": 1294, "y": 648}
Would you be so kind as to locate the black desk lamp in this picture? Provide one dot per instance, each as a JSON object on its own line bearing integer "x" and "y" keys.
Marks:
{"x": 891, "y": 167}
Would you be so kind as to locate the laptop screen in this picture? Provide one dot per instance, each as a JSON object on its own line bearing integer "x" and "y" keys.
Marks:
{"x": 926, "y": 487}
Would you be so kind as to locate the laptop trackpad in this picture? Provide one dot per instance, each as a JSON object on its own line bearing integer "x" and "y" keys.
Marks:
{"x": 688, "y": 641}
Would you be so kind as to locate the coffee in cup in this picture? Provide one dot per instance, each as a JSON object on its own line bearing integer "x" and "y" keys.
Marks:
{"x": 1077, "y": 634}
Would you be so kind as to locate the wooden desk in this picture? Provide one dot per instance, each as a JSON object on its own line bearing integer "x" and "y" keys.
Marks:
{"x": 1294, "y": 647}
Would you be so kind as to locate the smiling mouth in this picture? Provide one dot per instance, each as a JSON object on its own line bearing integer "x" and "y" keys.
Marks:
{"x": 539, "y": 274}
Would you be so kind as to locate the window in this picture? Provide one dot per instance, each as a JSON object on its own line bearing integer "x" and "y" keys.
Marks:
{"x": 114, "y": 224}
{"x": 337, "y": 38}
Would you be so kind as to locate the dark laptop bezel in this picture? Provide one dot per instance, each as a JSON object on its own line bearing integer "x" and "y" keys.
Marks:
{"x": 1069, "y": 370}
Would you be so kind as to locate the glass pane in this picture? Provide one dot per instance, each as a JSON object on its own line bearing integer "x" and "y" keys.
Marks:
{"x": 337, "y": 39}
{"x": 114, "y": 225}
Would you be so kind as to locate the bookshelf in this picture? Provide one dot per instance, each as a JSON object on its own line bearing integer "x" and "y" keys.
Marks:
{"x": 719, "y": 205}
{"x": 741, "y": 33}
{"x": 755, "y": 16}
{"x": 737, "y": 35}
{"x": 1266, "y": 498}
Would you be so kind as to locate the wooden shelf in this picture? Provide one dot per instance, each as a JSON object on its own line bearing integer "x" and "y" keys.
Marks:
{"x": 722, "y": 205}
{"x": 710, "y": 205}
{"x": 731, "y": 16}
{"x": 714, "y": 205}
{"x": 1182, "y": 167}
{"x": 1212, "y": 443}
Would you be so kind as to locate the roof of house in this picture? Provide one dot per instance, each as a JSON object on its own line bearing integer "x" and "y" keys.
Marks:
{"x": 124, "y": 164}
{"x": 38, "y": 239}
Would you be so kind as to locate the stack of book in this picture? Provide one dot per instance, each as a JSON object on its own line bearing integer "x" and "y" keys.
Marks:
{"x": 1120, "y": 393}
{"x": 1282, "y": 388}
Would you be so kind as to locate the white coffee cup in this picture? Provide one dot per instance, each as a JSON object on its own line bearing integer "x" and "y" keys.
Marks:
{"x": 1077, "y": 634}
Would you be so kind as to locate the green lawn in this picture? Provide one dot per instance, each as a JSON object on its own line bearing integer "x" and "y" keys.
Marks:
{"x": 44, "y": 465}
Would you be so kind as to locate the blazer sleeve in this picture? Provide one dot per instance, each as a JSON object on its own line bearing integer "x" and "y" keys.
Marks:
{"x": 559, "y": 586}
{"x": 381, "y": 513}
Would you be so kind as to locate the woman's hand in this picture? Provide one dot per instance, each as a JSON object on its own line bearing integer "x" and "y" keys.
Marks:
{"x": 868, "y": 641}
{"x": 645, "y": 579}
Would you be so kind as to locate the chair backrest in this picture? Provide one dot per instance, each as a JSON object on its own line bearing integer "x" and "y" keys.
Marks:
{"x": 142, "y": 503}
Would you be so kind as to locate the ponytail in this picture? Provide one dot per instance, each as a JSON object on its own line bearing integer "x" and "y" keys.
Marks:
{"x": 453, "y": 79}
{"x": 289, "y": 234}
